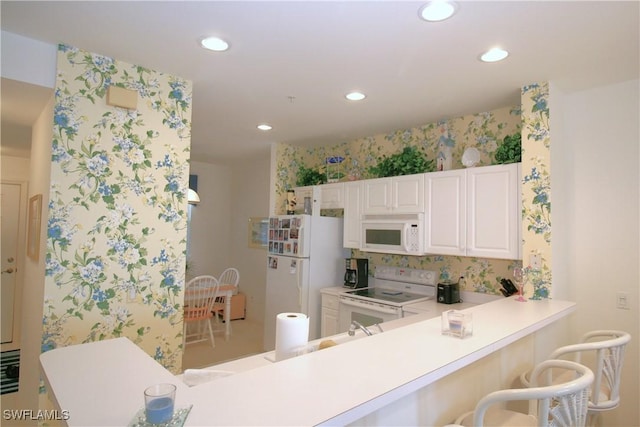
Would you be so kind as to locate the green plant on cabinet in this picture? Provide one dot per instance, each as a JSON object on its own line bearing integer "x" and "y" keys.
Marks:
{"x": 510, "y": 151}
{"x": 307, "y": 176}
{"x": 407, "y": 162}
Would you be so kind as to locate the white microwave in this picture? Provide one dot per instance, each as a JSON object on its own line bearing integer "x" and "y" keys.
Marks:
{"x": 393, "y": 234}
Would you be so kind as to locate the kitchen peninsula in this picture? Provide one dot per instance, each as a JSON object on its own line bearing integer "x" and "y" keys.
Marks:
{"x": 101, "y": 383}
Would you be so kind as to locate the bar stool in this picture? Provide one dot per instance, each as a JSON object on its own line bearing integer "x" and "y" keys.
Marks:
{"x": 563, "y": 404}
{"x": 604, "y": 351}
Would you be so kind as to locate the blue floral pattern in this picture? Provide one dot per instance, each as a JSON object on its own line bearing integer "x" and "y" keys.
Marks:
{"x": 536, "y": 188}
{"x": 116, "y": 235}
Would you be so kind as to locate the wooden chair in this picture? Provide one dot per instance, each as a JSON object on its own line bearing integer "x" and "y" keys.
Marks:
{"x": 199, "y": 298}
{"x": 558, "y": 405}
{"x": 229, "y": 276}
{"x": 603, "y": 352}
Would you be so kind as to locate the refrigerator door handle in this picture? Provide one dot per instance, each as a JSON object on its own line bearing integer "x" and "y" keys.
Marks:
{"x": 301, "y": 242}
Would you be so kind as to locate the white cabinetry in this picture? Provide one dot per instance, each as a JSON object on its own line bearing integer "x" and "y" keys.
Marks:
{"x": 399, "y": 194}
{"x": 446, "y": 212}
{"x": 493, "y": 212}
{"x": 311, "y": 191}
{"x": 330, "y": 311}
{"x": 332, "y": 196}
{"x": 474, "y": 212}
{"x": 326, "y": 196}
{"x": 352, "y": 212}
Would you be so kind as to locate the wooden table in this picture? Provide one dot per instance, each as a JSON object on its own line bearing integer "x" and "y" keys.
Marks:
{"x": 227, "y": 293}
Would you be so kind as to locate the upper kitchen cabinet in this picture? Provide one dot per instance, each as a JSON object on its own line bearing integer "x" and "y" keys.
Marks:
{"x": 446, "y": 212}
{"x": 398, "y": 194}
{"x": 325, "y": 196}
{"x": 474, "y": 212}
{"x": 332, "y": 196}
{"x": 493, "y": 214}
{"x": 352, "y": 204}
{"x": 313, "y": 193}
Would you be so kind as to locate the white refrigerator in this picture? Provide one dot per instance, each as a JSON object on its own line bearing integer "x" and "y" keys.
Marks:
{"x": 305, "y": 254}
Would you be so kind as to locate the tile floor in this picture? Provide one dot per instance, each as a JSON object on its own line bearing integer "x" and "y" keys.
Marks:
{"x": 246, "y": 339}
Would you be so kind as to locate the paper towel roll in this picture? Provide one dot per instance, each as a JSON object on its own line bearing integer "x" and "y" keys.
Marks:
{"x": 292, "y": 331}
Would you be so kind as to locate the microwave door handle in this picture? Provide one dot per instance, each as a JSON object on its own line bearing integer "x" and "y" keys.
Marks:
{"x": 352, "y": 303}
{"x": 406, "y": 236}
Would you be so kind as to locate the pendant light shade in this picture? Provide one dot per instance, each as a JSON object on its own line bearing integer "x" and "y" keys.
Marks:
{"x": 192, "y": 197}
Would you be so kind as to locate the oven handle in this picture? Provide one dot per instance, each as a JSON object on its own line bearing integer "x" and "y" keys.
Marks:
{"x": 377, "y": 307}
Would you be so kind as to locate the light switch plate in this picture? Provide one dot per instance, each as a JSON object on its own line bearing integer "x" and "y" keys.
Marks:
{"x": 622, "y": 300}
{"x": 535, "y": 261}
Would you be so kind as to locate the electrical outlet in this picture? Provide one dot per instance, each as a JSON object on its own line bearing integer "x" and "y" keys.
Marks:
{"x": 622, "y": 300}
{"x": 535, "y": 261}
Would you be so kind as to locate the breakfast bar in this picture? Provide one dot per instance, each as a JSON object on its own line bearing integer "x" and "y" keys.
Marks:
{"x": 334, "y": 386}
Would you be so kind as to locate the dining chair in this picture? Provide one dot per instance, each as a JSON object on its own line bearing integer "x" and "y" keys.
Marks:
{"x": 229, "y": 276}
{"x": 558, "y": 405}
{"x": 199, "y": 298}
{"x": 603, "y": 352}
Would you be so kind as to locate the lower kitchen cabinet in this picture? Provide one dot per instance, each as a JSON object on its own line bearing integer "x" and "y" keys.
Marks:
{"x": 329, "y": 316}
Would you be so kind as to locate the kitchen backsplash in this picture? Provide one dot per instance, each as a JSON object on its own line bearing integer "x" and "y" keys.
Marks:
{"x": 480, "y": 275}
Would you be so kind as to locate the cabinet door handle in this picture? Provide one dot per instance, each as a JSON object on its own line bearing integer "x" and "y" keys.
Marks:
{"x": 8, "y": 270}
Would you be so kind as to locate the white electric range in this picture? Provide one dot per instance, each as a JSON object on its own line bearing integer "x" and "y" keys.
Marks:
{"x": 393, "y": 288}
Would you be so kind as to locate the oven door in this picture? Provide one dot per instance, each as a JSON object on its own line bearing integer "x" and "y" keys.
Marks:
{"x": 366, "y": 312}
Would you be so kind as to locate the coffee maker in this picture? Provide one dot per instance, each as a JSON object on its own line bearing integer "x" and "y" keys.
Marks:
{"x": 357, "y": 273}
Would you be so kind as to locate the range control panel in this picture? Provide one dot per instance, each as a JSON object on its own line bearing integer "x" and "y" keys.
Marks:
{"x": 406, "y": 275}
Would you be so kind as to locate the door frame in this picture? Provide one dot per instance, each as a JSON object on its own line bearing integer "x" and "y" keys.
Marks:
{"x": 20, "y": 263}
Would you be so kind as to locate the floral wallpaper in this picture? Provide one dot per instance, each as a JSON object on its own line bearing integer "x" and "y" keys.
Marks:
{"x": 116, "y": 237}
{"x": 536, "y": 188}
{"x": 443, "y": 142}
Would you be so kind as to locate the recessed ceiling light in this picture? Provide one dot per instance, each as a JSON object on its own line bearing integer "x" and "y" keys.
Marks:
{"x": 437, "y": 10}
{"x": 494, "y": 55}
{"x": 214, "y": 43}
{"x": 355, "y": 96}
{"x": 264, "y": 127}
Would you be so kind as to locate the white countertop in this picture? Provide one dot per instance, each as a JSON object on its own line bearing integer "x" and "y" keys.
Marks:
{"x": 323, "y": 387}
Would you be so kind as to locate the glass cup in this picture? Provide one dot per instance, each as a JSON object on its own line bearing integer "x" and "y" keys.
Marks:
{"x": 457, "y": 324}
{"x": 159, "y": 402}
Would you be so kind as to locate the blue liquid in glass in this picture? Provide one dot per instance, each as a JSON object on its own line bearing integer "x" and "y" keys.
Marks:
{"x": 159, "y": 410}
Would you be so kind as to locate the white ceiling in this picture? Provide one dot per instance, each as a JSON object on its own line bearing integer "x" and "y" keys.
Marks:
{"x": 413, "y": 72}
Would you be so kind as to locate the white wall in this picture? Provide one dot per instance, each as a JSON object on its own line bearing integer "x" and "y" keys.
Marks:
{"x": 33, "y": 292}
{"x": 28, "y": 60}
{"x": 210, "y": 232}
{"x": 229, "y": 196}
{"x": 250, "y": 199}
{"x": 595, "y": 181}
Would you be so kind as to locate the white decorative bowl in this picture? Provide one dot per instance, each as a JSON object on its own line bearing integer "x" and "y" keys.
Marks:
{"x": 470, "y": 157}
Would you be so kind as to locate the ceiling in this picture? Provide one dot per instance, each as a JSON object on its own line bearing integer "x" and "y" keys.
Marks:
{"x": 291, "y": 63}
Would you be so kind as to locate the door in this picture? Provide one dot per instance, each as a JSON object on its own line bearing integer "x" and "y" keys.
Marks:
{"x": 446, "y": 212}
{"x": 284, "y": 293}
{"x": 352, "y": 204}
{"x": 12, "y": 205}
{"x": 493, "y": 211}
{"x": 408, "y": 193}
{"x": 377, "y": 196}
{"x": 365, "y": 313}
